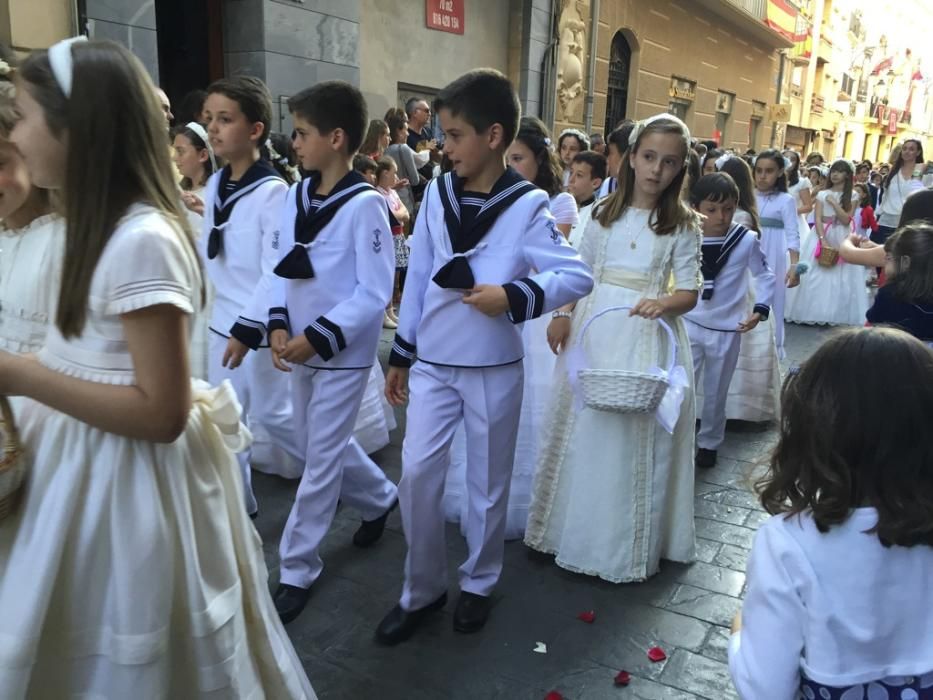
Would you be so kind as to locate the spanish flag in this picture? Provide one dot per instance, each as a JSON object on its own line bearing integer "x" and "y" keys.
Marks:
{"x": 782, "y": 18}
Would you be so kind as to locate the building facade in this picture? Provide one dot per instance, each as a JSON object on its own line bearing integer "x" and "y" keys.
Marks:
{"x": 582, "y": 63}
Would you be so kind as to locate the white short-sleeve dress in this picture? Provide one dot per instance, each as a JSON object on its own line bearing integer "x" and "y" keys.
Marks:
{"x": 130, "y": 569}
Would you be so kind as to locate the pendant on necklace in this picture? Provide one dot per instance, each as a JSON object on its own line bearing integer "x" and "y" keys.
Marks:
{"x": 632, "y": 245}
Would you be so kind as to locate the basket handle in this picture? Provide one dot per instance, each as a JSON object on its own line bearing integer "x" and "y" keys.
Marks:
{"x": 672, "y": 341}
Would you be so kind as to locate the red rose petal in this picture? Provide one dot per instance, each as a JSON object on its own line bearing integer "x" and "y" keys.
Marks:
{"x": 553, "y": 695}
{"x": 623, "y": 678}
{"x": 656, "y": 654}
{"x": 589, "y": 617}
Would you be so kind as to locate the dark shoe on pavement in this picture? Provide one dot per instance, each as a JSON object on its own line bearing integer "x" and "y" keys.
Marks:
{"x": 290, "y": 601}
{"x": 400, "y": 624}
{"x": 370, "y": 531}
{"x": 706, "y": 459}
{"x": 471, "y": 613}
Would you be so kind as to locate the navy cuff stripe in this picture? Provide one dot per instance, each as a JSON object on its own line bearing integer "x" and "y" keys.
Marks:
{"x": 248, "y": 332}
{"x": 403, "y": 353}
{"x": 762, "y": 309}
{"x": 526, "y": 300}
{"x": 326, "y": 338}
{"x": 278, "y": 319}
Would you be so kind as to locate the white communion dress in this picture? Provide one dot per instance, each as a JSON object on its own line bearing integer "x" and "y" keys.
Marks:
{"x": 613, "y": 492}
{"x": 30, "y": 278}
{"x": 834, "y": 295}
{"x": 130, "y": 569}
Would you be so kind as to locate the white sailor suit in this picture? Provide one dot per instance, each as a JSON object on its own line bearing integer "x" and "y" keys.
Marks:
{"x": 468, "y": 366}
{"x": 712, "y": 325}
{"x": 583, "y": 220}
{"x": 239, "y": 245}
{"x": 332, "y": 284}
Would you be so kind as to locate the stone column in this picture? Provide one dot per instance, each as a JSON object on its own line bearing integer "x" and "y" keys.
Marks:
{"x": 292, "y": 46}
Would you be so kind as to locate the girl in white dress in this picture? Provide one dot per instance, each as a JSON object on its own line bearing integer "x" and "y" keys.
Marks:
{"x": 780, "y": 234}
{"x": 832, "y": 295}
{"x": 130, "y": 568}
{"x": 195, "y": 161}
{"x": 533, "y": 158}
{"x": 754, "y": 392}
{"x": 613, "y": 493}
{"x": 32, "y": 242}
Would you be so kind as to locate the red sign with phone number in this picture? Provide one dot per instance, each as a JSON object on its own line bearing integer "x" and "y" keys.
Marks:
{"x": 445, "y": 15}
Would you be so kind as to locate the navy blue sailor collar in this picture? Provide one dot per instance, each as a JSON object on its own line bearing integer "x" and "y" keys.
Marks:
{"x": 715, "y": 255}
{"x": 309, "y": 222}
{"x": 510, "y": 186}
{"x": 257, "y": 174}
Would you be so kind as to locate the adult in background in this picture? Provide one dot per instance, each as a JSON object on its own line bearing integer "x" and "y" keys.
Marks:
{"x": 404, "y": 156}
{"x": 420, "y": 137}
{"x": 597, "y": 143}
{"x": 900, "y": 183}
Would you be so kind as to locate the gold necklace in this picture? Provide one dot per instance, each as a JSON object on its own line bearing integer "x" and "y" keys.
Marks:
{"x": 628, "y": 229}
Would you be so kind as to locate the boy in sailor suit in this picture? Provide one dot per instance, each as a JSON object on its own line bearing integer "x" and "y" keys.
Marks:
{"x": 324, "y": 301}
{"x": 481, "y": 231}
{"x": 242, "y": 211}
{"x": 715, "y": 326}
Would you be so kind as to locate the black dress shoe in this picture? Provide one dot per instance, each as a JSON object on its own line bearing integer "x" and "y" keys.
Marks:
{"x": 290, "y": 601}
{"x": 706, "y": 459}
{"x": 471, "y": 613}
{"x": 400, "y": 624}
{"x": 371, "y": 530}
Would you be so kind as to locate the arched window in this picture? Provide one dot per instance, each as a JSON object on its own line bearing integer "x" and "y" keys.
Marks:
{"x": 620, "y": 62}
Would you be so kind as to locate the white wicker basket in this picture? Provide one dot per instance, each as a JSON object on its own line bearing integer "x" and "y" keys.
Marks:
{"x": 12, "y": 461}
{"x": 622, "y": 390}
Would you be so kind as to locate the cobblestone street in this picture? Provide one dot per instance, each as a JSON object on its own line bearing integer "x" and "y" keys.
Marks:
{"x": 686, "y": 610}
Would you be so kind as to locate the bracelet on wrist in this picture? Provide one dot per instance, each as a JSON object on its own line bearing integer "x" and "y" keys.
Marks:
{"x": 561, "y": 314}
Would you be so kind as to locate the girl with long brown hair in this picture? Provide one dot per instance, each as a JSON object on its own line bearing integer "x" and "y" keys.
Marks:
{"x": 130, "y": 568}
{"x": 613, "y": 494}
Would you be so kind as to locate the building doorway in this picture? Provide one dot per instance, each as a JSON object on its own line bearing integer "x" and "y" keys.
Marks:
{"x": 190, "y": 42}
{"x": 620, "y": 65}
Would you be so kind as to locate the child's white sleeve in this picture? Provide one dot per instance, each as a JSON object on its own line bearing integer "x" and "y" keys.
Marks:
{"x": 417, "y": 279}
{"x": 561, "y": 275}
{"x": 687, "y": 254}
{"x": 763, "y": 275}
{"x": 791, "y": 227}
{"x": 764, "y": 657}
{"x": 330, "y": 333}
{"x": 251, "y": 325}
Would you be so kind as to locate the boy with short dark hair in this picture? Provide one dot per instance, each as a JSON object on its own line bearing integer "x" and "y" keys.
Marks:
{"x": 324, "y": 302}
{"x": 715, "y": 326}
{"x": 587, "y": 172}
{"x": 242, "y": 213}
{"x": 481, "y": 231}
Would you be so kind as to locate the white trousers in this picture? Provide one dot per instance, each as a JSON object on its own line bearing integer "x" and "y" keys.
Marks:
{"x": 326, "y": 403}
{"x": 488, "y": 401}
{"x": 715, "y": 356}
{"x": 264, "y": 393}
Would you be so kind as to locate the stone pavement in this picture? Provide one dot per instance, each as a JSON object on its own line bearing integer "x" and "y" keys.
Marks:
{"x": 686, "y": 610}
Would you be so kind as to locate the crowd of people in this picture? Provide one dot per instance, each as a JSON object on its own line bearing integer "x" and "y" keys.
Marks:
{"x": 575, "y": 320}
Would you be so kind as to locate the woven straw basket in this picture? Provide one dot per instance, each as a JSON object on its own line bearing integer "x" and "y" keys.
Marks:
{"x": 12, "y": 461}
{"x": 828, "y": 256}
{"x": 622, "y": 390}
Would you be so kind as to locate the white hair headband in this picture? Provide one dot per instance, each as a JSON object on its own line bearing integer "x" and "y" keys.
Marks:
{"x": 581, "y": 137}
{"x": 723, "y": 159}
{"x": 640, "y": 126}
{"x": 62, "y": 63}
{"x": 202, "y": 134}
